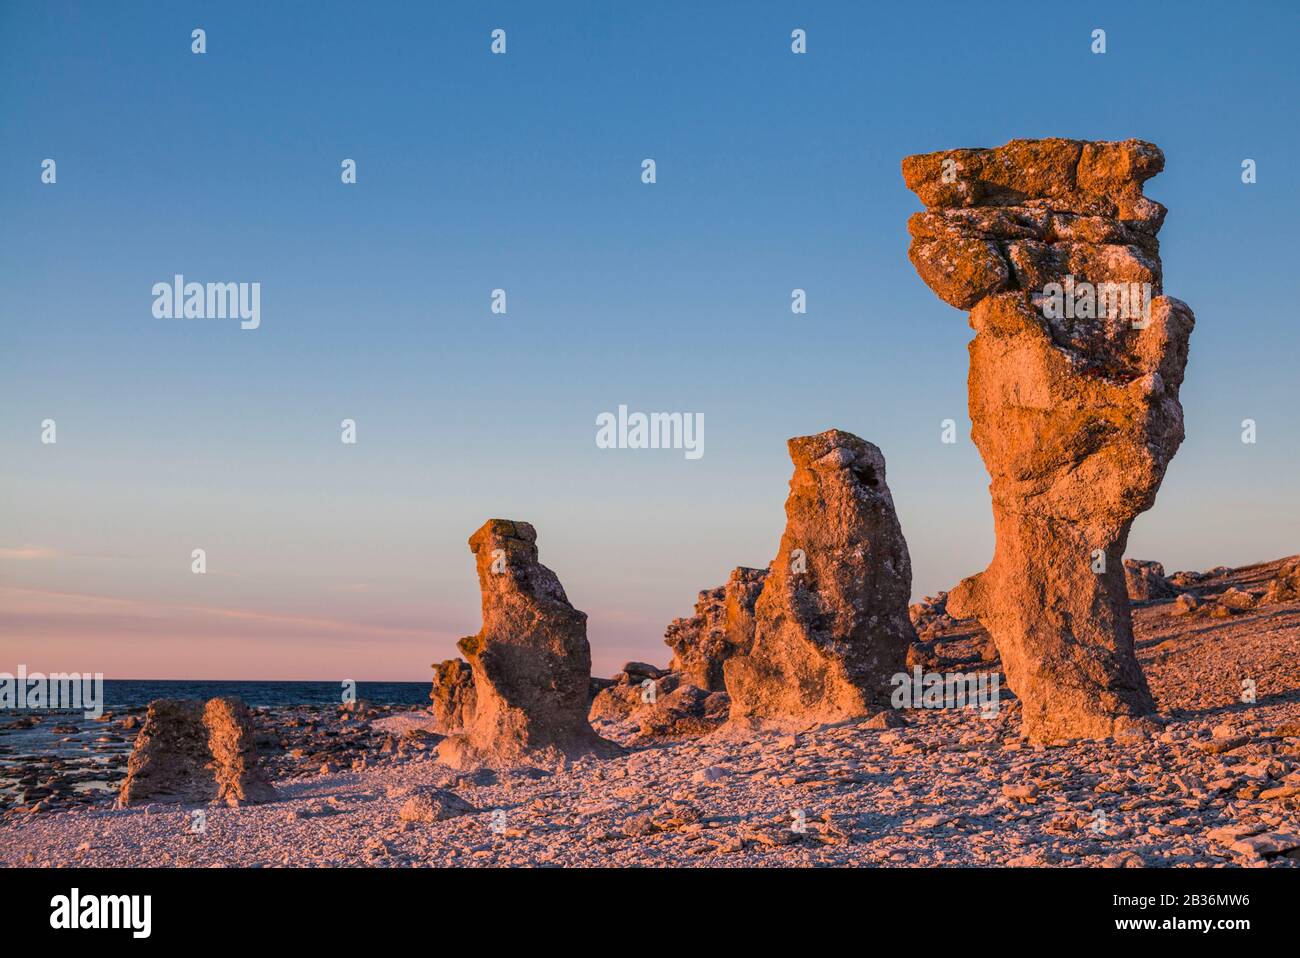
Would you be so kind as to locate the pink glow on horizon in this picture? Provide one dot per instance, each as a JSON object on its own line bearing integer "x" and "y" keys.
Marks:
{"x": 49, "y": 630}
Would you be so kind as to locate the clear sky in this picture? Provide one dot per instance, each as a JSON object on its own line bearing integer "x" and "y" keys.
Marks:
{"x": 523, "y": 172}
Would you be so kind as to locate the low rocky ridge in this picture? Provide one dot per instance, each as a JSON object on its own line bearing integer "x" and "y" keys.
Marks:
{"x": 646, "y": 702}
{"x": 1220, "y": 784}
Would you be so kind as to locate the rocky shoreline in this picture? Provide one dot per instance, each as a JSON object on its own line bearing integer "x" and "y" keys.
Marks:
{"x": 1218, "y": 786}
{"x": 292, "y": 742}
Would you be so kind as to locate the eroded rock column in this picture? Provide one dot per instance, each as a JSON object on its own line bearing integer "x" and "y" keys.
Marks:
{"x": 531, "y": 662}
{"x": 830, "y": 626}
{"x": 1073, "y": 397}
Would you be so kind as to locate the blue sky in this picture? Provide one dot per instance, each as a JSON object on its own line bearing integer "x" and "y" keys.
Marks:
{"x": 522, "y": 172}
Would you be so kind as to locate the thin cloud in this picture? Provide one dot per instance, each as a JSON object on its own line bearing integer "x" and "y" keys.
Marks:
{"x": 27, "y": 553}
{"x": 47, "y": 605}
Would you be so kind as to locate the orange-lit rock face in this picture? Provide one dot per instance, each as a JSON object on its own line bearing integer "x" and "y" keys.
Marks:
{"x": 531, "y": 662}
{"x": 190, "y": 752}
{"x": 830, "y": 626}
{"x": 722, "y": 627}
{"x": 452, "y": 697}
{"x": 1075, "y": 411}
{"x": 238, "y": 774}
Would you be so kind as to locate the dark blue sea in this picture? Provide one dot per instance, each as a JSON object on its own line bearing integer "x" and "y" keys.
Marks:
{"x": 126, "y": 693}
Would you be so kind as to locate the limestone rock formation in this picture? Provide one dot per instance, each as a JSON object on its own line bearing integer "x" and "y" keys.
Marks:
{"x": 723, "y": 626}
{"x": 662, "y": 704}
{"x": 1073, "y": 395}
{"x": 170, "y": 758}
{"x": 452, "y": 697}
{"x": 1146, "y": 581}
{"x": 186, "y": 752}
{"x": 428, "y": 804}
{"x": 930, "y": 615}
{"x": 236, "y": 772}
{"x": 686, "y": 710}
{"x": 531, "y": 663}
{"x": 1285, "y": 586}
{"x": 831, "y": 625}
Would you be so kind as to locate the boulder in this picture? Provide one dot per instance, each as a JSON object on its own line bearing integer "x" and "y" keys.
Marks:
{"x": 1146, "y": 582}
{"x": 638, "y": 672}
{"x": 427, "y": 804}
{"x": 1183, "y": 581}
{"x": 1237, "y": 600}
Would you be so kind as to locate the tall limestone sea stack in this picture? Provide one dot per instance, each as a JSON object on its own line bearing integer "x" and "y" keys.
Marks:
{"x": 830, "y": 626}
{"x": 531, "y": 662}
{"x": 1073, "y": 393}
